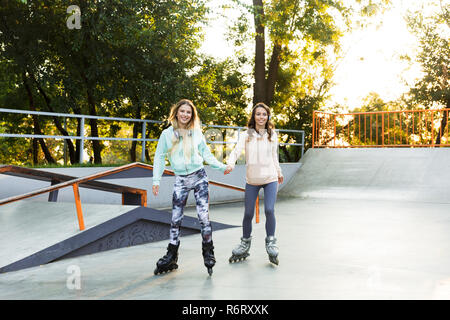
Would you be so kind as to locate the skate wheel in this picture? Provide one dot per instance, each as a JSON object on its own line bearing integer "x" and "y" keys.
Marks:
{"x": 274, "y": 260}
{"x": 157, "y": 271}
{"x": 238, "y": 258}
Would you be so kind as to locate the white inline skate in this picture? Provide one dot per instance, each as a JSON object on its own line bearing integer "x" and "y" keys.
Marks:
{"x": 241, "y": 251}
{"x": 272, "y": 249}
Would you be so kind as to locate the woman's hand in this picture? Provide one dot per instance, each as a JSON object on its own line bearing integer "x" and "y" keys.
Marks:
{"x": 280, "y": 179}
{"x": 155, "y": 190}
{"x": 228, "y": 169}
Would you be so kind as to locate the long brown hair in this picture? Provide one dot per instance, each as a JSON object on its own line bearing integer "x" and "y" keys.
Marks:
{"x": 252, "y": 123}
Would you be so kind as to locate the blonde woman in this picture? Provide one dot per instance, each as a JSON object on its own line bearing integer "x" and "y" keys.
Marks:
{"x": 262, "y": 171}
{"x": 184, "y": 145}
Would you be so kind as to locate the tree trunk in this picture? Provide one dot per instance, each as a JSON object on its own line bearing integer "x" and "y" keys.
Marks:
{"x": 443, "y": 124}
{"x": 264, "y": 88}
{"x": 136, "y": 127}
{"x": 259, "y": 89}
{"x": 35, "y": 151}
{"x": 96, "y": 145}
{"x": 56, "y": 121}
{"x": 286, "y": 153}
{"x": 36, "y": 126}
{"x": 132, "y": 152}
{"x": 77, "y": 110}
{"x": 273, "y": 73}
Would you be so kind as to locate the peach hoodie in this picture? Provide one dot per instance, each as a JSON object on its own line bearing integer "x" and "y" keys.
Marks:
{"x": 261, "y": 157}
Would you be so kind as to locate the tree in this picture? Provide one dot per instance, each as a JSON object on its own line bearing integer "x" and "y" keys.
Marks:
{"x": 294, "y": 28}
{"x": 295, "y": 43}
{"x": 130, "y": 58}
{"x": 219, "y": 90}
{"x": 21, "y": 55}
{"x": 434, "y": 57}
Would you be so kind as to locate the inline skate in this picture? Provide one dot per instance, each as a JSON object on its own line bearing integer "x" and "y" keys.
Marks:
{"x": 272, "y": 249}
{"x": 241, "y": 251}
{"x": 169, "y": 261}
{"x": 208, "y": 256}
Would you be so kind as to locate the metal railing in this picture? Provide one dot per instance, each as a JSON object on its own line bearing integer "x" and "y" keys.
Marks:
{"x": 239, "y": 129}
{"x": 407, "y": 128}
{"x": 89, "y": 181}
{"x": 82, "y": 135}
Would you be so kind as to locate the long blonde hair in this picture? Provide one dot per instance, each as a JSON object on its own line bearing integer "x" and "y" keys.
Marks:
{"x": 186, "y": 134}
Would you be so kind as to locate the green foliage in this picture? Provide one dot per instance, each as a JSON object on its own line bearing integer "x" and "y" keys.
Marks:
{"x": 131, "y": 58}
{"x": 301, "y": 43}
{"x": 434, "y": 57}
{"x": 220, "y": 93}
{"x": 135, "y": 58}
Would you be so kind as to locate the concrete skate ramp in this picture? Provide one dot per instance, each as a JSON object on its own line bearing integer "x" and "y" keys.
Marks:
{"x": 411, "y": 174}
{"x": 34, "y": 233}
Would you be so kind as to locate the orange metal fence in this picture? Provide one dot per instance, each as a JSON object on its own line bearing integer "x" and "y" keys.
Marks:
{"x": 408, "y": 128}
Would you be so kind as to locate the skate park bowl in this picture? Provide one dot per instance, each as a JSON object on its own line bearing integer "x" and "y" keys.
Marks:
{"x": 366, "y": 223}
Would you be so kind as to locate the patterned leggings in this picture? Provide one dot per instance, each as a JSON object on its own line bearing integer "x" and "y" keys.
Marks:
{"x": 197, "y": 181}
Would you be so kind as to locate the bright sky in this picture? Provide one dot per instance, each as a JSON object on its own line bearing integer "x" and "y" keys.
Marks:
{"x": 372, "y": 61}
{"x": 215, "y": 43}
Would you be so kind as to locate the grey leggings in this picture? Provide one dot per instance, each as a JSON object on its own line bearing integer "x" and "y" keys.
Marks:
{"x": 270, "y": 196}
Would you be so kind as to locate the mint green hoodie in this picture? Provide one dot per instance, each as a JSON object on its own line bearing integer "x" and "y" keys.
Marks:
{"x": 200, "y": 153}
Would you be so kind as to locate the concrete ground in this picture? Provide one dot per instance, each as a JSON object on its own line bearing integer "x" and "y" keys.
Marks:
{"x": 329, "y": 249}
{"x": 351, "y": 224}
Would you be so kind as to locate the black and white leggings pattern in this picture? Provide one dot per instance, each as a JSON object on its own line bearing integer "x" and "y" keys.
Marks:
{"x": 197, "y": 181}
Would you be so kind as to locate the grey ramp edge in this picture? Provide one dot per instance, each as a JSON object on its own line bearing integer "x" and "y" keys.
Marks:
{"x": 403, "y": 174}
{"x": 137, "y": 226}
